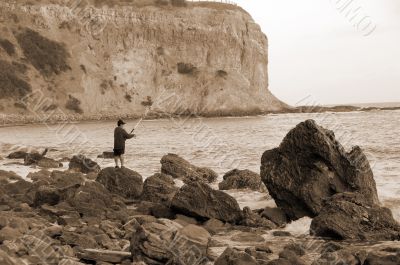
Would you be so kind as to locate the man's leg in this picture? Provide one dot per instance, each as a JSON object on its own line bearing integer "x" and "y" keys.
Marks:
{"x": 122, "y": 160}
{"x": 116, "y": 160}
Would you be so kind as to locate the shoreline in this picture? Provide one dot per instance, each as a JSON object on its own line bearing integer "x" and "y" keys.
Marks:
{"x": 9, "y": 120}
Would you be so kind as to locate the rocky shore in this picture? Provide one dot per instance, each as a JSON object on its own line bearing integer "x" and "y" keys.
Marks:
{"x": 93, "y": 215}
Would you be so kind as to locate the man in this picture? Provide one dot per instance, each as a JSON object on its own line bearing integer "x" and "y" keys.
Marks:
{"x": 120, "y": 136}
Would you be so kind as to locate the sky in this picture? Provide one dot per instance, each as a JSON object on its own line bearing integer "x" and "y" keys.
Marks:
{"x": 331, "y": 51}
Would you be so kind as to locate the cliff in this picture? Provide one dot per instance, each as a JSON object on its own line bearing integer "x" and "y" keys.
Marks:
{"x": 68, "y": 61}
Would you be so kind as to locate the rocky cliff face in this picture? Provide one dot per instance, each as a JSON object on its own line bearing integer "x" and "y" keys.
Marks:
{"x": 97, "y": 62}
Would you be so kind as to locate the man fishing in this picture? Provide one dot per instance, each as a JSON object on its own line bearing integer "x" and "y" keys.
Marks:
{"x": 120, "y": 136}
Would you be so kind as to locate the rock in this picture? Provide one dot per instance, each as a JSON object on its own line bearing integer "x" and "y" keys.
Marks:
{"x": 178, "y": 167}
{"x": 344, "y": 256}
{"x": 261, "y": 256}
{"x": 47, "y": 195}
{"x": 311, "y": 165}
{"x": 101, "y": 255}
{"x": 157, "y": 243}
{"x": 162, "y": 211}
{"x": 296, "y": 249}
{"x": 214, "y": 226}
{"x": 42, "y": 175}
{"x": 292, "y": 257}
{"x": 8, "y": 233}
{"x": 251, "y": 219}
{"x": 234, "y": 257}
{"x": 121, "y": 181}
{"x": 66, "y": 179}
{"x": 7, "y": 177}
{"x": 276, "y": 215}
{"x": 17, "y": 155}
{"x": 49, "y": 163}
{"x": 32, "y": 159}
{"x": 379, "y": 258}
{"x": 159, "y": 188}
{"x": 281, "y": 233}
{"x": 199, "y": 200}
{"x": 82, "y": 164}
{"x": 75, "y": 239}
{"x": 184, "y": 220}
{"x": 91, "y": 199}
{"x": 352, "y": 216}
{"x": 242, "y": 179}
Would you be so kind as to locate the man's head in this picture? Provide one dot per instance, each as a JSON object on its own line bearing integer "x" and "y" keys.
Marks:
{"x": 120, "y": 123}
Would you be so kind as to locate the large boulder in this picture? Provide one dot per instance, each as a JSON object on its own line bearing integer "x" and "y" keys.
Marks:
{"x": 242, "y": 179}
{"x": 164, "y": 242}
{"x": 352, "y": 216}
{"x": 159, "y": 188}
{"x": 91, "y": 199}
{"x": 177, "y": 167}
{"x": 83, "y": 164}
{"x": 199, "y": 200}
{"x": 121, "y": 181}
{"x": 309, "y": 166}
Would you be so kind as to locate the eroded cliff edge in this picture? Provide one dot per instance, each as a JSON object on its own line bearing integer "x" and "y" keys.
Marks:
{"x": 64, "y": 61}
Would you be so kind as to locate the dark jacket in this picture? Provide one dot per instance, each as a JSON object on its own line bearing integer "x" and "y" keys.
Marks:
{"x": 120, "y": 136}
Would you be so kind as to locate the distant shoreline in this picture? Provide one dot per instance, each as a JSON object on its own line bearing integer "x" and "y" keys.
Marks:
{"x": 20, "y": 120}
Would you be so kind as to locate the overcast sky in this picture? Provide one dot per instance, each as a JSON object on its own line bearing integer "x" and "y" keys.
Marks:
{"x": 317, "y": 52}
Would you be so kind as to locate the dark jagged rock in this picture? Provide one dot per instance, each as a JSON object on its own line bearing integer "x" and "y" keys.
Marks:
{"x": 47, "y": 195}
{"x": 159, "y": 188}
{"x": 242, "y": 179}
{"x": 252, "y": 219}
{"x": 82, "y": 164}
{"x": 178, "y": 167}
{"x": 199, "y": 200}
{"x": 17, "y": 155}
{"x": 309, "y": 166}
{"x": 352, "y": 216}
{"x": 235, "y": 257}
{"x": 275, "y": 215}
{"x": 121, "y": 181}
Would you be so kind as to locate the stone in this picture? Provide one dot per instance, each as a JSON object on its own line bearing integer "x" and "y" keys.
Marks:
{"x": 275, "y": 215}
{"x": 379, "y": 258}
{"x": 75, "y": 239}
{"x": 7, "y": 177}
{"x": 281, "y": 233}
{"x": 352, "y": 216}
{"x": 66, "y": 179}
{"x": 121, "y": 181}
{"x": 46, "y": 162}
{"x": 42, "y": 175}
{"x": 214, "y": 226}
{"x": 32, "y": 159}
{"x": 83, "y": 164}
{"x": 159, "y": 188}
{"x": 8, "y": 233}
{"x": 102, "y": 255}
{"x": 169, "y": 243}
{"x": 177, "y": 167}
{"x": 47, "y": 195}
{"x": 309, "y": 166}
{"x": 17, "y": 155}
{"x": 251, "y": 219}
{"x": 235, "y": 257}
{"x": 199, "y": 200}
{"x": 242, "y": 179}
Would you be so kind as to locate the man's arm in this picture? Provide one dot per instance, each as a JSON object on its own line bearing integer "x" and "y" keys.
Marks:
{"x": 128, "y": 135}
